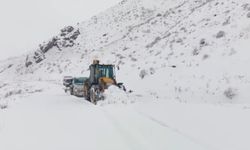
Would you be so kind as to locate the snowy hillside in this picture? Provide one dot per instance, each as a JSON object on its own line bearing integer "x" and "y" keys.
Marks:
{"x": 185, "y": 62}
{"x": 185, "y": 50}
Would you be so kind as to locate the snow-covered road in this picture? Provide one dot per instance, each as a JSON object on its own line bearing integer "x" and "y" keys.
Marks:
{"x": 56, "y": 121}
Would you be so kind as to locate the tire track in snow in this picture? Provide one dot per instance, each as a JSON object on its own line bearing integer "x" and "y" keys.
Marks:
{"x": 141, "y": 132}
{"x": 190, "y": 138}
{"x": 133, "y": 143}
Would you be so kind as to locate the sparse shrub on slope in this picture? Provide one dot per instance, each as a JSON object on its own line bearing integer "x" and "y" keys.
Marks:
{"x": 143, "y": 73}
{"x": 220, "y": 34}
{"x": 3, "y": 106}
{"x": 230, "y": 93}
{"x": 248, "y": 15}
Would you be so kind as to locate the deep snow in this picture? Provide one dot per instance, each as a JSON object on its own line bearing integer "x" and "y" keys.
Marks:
{"x": 55, "y": 120}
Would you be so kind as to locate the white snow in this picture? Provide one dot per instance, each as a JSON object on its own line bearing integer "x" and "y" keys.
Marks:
{"x": 184, "y": 63}
{"x": 54, "y": 120}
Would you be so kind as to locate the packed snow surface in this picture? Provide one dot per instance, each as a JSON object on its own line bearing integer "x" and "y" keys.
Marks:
{"x": 54, "y": 120}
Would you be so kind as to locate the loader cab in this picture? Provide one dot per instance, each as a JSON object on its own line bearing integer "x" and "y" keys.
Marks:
{"x": 97, "y": 71}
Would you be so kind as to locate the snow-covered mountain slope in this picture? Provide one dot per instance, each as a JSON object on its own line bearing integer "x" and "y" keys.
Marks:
{"x": 190, "y": 51}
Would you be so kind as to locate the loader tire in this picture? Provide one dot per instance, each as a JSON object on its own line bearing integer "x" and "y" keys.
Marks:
{"x": 71, "y": 91}
{"x": 93, "y": 96}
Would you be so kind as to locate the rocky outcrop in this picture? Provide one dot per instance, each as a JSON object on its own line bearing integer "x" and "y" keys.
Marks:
{"x": 65, "y": 39}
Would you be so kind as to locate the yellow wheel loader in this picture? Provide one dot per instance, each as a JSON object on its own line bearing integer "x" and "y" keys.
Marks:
{"x": 101, "y": 77}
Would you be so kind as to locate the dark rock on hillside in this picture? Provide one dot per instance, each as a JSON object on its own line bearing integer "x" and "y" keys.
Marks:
{"x": 39, "y": 56}
{"x": 46, "y": 47}
{"x": 67, "y": 29}
{"x": 65, "y": 39}
{"x": 75, "y": 35}
{"x": 28, "y": 62}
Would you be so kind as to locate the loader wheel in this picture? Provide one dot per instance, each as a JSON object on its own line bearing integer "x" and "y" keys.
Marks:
{"x": 71, "y": 91}
{"x": 93, "y": 96}
{"x": 86, "y": 92}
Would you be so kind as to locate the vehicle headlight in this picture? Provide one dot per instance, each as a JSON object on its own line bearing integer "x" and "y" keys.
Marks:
{"x": 78, "y": 89}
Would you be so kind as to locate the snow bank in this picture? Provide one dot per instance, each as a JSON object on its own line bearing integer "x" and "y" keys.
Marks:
{"x": 114, "y": 95}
